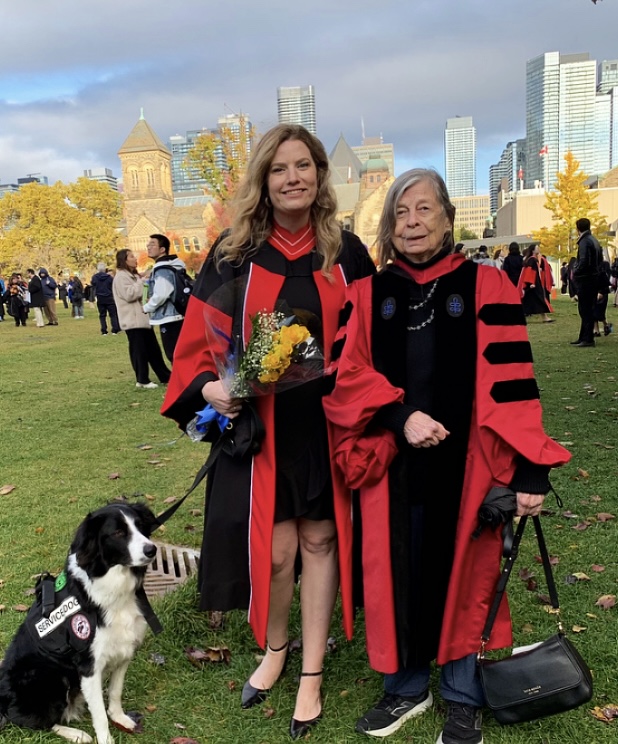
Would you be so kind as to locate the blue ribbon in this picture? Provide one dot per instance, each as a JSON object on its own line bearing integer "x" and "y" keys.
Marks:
{"x": 206, "y": 416}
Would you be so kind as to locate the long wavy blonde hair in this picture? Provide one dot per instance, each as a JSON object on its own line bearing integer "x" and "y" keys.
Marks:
{"x": 252, "y": 211}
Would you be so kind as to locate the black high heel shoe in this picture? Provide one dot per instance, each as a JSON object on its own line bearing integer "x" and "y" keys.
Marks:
{"x": 300, "y": 728}
{"x": 251, "y": 695}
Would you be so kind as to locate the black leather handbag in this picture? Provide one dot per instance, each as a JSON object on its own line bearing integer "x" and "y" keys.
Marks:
{"x": 549, "y": 678}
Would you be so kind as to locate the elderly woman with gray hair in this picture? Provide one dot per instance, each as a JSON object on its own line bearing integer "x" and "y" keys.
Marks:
{"x": 435, "y": 403}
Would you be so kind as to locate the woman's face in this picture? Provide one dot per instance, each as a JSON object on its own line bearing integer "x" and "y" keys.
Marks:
{"x": 292, "y": 183}
{"x": 131, "y": 260}
{"x": 421, "y": 223}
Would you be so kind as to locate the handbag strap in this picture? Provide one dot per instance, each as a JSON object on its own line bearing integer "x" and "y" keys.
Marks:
{"x": 506, "y": 572}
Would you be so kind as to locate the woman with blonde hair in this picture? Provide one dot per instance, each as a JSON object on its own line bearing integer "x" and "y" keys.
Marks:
{"x": 266, "y": 508}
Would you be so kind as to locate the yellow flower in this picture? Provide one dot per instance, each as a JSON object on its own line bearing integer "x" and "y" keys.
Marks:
{"x": 294, "y": 334}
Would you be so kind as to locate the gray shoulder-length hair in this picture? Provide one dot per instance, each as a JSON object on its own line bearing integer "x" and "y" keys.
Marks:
{"x": 386, "y": 249}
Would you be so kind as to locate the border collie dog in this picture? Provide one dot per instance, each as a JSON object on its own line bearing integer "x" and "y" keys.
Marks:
{"x": 87, "y": 623}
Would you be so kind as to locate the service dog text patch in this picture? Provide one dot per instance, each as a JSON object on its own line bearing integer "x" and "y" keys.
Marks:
{"x": 57, "y": 616}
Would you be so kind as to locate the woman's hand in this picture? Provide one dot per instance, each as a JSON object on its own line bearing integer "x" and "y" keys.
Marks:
{"x": 529, "y": 504}
{"x": 215, "y": 394}
{"x": 420, "y": 430}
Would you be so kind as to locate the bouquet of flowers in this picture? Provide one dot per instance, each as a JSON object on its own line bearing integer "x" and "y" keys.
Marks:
{"x": 280, "y": 353}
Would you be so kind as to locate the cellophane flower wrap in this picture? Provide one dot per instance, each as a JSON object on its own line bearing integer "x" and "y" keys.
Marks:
{"x": 280, "y": 351}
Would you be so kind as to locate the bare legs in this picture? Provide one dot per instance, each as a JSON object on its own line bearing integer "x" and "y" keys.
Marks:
{"x": 318, "y": 590}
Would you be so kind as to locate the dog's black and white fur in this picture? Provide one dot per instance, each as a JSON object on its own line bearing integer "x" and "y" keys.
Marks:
{"x": 99, "y": 614}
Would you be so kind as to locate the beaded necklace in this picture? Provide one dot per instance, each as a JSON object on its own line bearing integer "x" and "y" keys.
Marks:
{"x": 421, "y": 304}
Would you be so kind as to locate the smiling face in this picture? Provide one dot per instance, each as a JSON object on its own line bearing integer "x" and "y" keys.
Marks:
{"x": 292, "y": 184}
{"x": 421, "y": 223}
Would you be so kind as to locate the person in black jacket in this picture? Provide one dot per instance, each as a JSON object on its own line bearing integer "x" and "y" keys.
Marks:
{"x": 101, "y": 283}
{"x": 513, "y": 263}
{"x": 37, "y": 299}
{"x": 586, "y": 274}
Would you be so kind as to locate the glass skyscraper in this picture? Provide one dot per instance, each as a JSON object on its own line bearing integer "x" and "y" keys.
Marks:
{"x": 296, "y": 105}
{"x": 561, "y": 115}
{"x": 460, "y": 156}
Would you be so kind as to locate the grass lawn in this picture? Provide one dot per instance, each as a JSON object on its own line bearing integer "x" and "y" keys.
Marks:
{"x": 71, "y": 416}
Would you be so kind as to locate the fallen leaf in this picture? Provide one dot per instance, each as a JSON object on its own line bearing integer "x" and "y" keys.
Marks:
{"x": 216, "y": 654}
{"x": 150, "y": 708}
{"x": 134, "y": 405}
{"x": 606, "y": 601}
{"x": 195, "y": 512}
{"x": 527, "y": 628}
{"x": 182, "y": 728}
{"x": 543, "y": 599}
{"x": 604, "y": 517}
{"x": 583, "y": 473}
{"x": 113, "y": 476}
{"x": 2, "y": 608}
{"x": 189, "y": 528}
{"x": 580, "y": 576}
{"x": 569, "y": 515}
{"x": 595, "y": 498}
{"x": 153, "y": 462}
{"x": 182, "y": 739}
{"x": 149, "y": 496}
{"x": 169, "y": 500}
{"x": 72, "y": 500}
{"x": 525, "y": 574}
{"x": 570, "y": 408}
{"x": 268, "y": 712}
{"x": 606, "y": 714}
{"x": 231, "y": 685}
{"x": 39, "y": 530}
{"x": 7, "y": 489}
{"x": 597, "y": 568}
{"x": 591, "y": 615}
{"x": 144, "y": 446}
{"x": 578, "y": 628}
{"x": 532, "y": 585}
{"x": 581, "y": 526}
{"x": 551, "y": 610}
{"x": 21, "y": 608}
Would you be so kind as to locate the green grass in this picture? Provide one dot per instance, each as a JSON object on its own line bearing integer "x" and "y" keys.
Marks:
{"x": 71, "y": 416}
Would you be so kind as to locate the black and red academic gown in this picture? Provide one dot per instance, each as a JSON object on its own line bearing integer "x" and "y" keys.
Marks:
{"x": 483, "y": 365}
{"x": 235, "y": 562}
{"x": 535, "y": 287}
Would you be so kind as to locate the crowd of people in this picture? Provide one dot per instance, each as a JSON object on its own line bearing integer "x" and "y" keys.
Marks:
{"x": 129, "y": 301}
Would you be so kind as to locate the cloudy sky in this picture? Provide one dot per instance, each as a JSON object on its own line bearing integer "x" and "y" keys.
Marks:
{"x": 76, "y": 72}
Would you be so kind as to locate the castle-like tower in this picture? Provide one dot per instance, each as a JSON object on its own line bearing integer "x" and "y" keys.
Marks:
{"x": 147, "y": 177}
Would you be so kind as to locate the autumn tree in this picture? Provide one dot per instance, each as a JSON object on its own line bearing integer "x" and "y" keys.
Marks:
{"x": 64, "y": 225}
{"x": 220, "y": 158}
{"x": 570, "y": 200}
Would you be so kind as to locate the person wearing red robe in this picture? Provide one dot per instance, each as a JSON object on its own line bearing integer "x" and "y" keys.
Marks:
{"x": 434, "y": 404}
{"x": 535, "y": 283}
{"x": 264, "y": 508}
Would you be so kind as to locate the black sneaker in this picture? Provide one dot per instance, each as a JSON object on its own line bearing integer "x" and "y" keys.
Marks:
{"x": 391, "y": 713}
{"x": 462, "y": 726}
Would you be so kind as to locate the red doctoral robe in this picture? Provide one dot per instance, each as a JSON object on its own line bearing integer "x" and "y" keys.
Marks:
{"x": 506, "y": 422}
{"x": 249, "y": 503}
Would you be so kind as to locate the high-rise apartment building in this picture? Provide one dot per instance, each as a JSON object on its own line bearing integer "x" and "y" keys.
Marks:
{"x": 188, "y": 179}
{"x": 102, "y": 175}
{"x": 296, "y": 105}
{"x": 560, "y": 115}
{"x": 460, "y": 156}
{"x": 508, "y": 173}
{"x": 608, "y": 75}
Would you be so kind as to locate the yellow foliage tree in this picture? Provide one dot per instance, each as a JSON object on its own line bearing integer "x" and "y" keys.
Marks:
{"x": 221, "y": 157}
{"x": 61, "y": 226}
{"x": 570, "y": 200}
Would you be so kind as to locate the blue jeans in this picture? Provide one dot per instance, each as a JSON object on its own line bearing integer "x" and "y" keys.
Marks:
{"x": 459, "y": 682}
